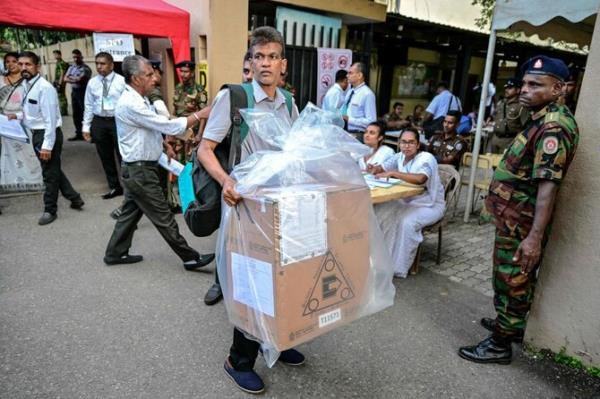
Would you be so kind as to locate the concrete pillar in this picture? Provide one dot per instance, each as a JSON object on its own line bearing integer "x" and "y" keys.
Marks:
{"x": 227, "y": 42}
{"x": 566, "y": 309}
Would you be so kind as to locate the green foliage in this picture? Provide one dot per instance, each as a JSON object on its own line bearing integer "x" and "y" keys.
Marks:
{"x": 22, "y": 38}
{"x": 487, "y": 9}
{"x": 570, "y": 361}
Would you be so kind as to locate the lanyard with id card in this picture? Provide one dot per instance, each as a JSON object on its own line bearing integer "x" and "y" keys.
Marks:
{"x": 108, "y": 103}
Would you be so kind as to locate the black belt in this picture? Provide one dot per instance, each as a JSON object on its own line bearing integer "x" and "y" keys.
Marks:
{"x": 106, "y": 118}
{"x": 140, "y": 163}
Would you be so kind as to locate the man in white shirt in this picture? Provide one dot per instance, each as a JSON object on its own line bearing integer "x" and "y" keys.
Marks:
{"x": 335, "y": 96}
{"x": 101, "y": 96}
{"x": 359, "y": 108}
{"x": 139, "y": 130}
{"x": 443, "y": 102}
{"x": 438, "y": 108}
{"x": 41, "y": 114}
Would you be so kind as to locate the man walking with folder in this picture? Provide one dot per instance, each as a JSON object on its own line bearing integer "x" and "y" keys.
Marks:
{"x": 139, "y": 130}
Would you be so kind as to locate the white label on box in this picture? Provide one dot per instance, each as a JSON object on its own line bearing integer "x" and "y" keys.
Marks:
{"x": 302, "y": 225}
{"x": 253, "y": 283}
{"x": 330, "y": 317}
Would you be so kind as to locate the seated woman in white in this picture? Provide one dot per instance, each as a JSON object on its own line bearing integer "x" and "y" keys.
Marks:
{"x": 402, "y": 220}
{"x": 374, "y": 135}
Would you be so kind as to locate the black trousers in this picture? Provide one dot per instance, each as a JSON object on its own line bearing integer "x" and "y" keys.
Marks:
{"x": 243, "y": 351}
{"x": 78, "y": 103}
{"x": 145, "y": 196}
{"x": 54, "y": 178}
{"x": 104, "y": 135}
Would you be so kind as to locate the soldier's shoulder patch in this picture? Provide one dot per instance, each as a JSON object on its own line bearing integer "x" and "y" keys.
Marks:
{"x": 550, "y": 145}
{"x": 552, "y": 117}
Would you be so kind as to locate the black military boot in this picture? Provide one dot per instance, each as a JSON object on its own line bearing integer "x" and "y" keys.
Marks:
{"x": 490, "y": 324}
{"x": 490, "y": 350}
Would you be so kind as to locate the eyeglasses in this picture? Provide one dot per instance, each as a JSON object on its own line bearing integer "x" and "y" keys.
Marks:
{"x": 271, "y": 57}
{"x": 402, "y": 142}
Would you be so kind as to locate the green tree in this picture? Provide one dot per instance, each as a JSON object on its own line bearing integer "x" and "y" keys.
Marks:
{"x": 24, "y": 38}
{"x": 487, "y": 9}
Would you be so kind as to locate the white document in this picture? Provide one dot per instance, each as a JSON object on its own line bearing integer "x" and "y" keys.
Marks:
{"x": 174, "y": 166}
{"x": 12, "y": 129}
{"x": 253, "y": 283}
{"x": 302, "y": 225}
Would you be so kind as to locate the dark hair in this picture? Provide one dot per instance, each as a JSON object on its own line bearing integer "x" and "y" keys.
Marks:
{"x": 248, "y": 56}
{"x": 13, "y": 54}
{"x": 132, "y": 65}
{"x": 397, "y": 104}
{"x": 380, "y": 125}
{"x": 413, "y": 131}
{"x": 418, "y": 106}
{"x": 56, "y": 52}
{"x": 31, "y": 55}
{"x": 456, "y": 114}
{"x": 360, "y": 66}
{"x": 265, "y": 35}
{"x": 341, "y": 75}
{"x": 76, "y": 51}
{"x": 442, "y": 84}
{"x": 104, "y": 54}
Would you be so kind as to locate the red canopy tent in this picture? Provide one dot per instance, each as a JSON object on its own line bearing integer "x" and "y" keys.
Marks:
{"x": 154, "y": 18}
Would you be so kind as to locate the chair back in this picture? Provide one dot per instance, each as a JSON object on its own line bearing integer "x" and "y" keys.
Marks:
{"x": 451, "y": 181}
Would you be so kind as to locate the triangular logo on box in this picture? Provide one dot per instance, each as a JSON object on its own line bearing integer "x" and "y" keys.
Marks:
{"x": 331, "y": 286}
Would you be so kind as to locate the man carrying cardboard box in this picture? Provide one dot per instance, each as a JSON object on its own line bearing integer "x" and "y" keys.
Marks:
{"x": 268, "y": 63}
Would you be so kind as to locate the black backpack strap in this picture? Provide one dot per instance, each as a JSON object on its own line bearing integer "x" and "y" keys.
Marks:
{"x": 237, "y": 101}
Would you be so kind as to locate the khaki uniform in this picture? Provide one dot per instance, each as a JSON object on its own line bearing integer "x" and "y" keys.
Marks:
{"x": 510, "y": 118}
{"x": 442, "y": 148}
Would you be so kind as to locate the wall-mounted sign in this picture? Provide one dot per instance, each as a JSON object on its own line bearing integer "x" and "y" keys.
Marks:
{"x": 119, "y": 45}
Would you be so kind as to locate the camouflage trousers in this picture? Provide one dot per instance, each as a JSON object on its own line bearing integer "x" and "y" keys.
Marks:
{"x": 62, "y": 101}
{"x": 513, "y": 291}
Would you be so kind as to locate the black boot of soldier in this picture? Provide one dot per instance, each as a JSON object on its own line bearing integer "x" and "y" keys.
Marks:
{"x": 490, "y": 324}
{"x": 493, "y": 349}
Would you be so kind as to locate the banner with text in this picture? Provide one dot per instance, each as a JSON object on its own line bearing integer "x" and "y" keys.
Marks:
{"x": 330, "y": 61}
{"x": 119, "y": 45}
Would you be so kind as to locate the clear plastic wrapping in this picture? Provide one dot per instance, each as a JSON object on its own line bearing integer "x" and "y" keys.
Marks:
{"x": 302, "y": 253}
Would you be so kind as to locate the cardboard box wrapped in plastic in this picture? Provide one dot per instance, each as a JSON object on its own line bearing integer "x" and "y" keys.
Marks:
{"x": 302, "y": 253}
{"x": 298, "y": 261}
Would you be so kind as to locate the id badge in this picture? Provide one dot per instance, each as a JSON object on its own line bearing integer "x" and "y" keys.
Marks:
{"x": 108, "y": 104}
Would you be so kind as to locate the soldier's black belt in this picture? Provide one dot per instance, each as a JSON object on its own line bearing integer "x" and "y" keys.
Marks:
{"x": 105, "y": 118}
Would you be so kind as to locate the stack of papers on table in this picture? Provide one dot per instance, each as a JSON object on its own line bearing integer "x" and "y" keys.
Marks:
{"x": 383, "y": 182}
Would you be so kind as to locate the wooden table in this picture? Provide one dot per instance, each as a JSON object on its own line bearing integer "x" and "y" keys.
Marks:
{"x": 403, "y": 190}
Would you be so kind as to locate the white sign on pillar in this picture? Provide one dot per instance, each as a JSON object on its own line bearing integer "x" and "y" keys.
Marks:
{"x": 330, "y": 61}
{"x": 119, "y": 45}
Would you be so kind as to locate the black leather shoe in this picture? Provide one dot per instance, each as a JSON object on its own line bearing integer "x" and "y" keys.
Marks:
{"x": 115, "y": 192}
{"x": 202, "y": 261}
{"x": 75, "y": 138}
{"x": 46, "y": 218}
{"x": 489, "y": 350}
{"x": 213, "y": 295}
{"x": 123, "y": 260}
{"x": 115, "y": 214}
{"x": 77, "y": 204}
{"x": 490, "y": 324}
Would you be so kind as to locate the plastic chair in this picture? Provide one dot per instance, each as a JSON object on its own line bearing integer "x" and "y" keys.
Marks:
{"x": 483, "y": 176}
{"x": 451, "y": 181}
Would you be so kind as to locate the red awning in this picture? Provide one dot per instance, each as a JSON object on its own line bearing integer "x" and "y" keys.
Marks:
{"x": 153, "y": 18}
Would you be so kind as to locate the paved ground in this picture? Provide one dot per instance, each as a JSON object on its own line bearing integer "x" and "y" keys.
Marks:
{"x": 71, "y": 327}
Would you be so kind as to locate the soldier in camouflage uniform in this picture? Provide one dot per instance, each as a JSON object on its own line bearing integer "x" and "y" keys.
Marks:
{"x": 189, "y": 97}
{"x": 521, "y": 200}
{"x": 59, "y": 82}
